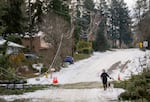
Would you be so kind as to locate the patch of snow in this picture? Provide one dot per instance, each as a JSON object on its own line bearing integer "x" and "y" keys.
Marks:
{"x": 11, "y": 44}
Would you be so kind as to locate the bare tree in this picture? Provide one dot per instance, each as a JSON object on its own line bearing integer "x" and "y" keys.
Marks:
{"x": 95, "y": 20}
{"x": 55, "y": 27}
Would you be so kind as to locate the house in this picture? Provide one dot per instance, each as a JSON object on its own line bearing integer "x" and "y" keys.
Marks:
{"x": 39, "y": 46}
{"x": 12, "y": 47}
{"x": 37, "y": 41}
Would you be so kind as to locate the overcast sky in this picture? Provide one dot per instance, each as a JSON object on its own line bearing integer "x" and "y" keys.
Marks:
{"x": 130, "y": 3}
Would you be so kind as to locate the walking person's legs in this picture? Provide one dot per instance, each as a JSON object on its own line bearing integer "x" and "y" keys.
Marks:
{"x": 104, "y": 86}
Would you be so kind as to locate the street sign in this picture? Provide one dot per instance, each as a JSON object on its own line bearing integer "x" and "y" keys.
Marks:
{"x": 145, "y": 44}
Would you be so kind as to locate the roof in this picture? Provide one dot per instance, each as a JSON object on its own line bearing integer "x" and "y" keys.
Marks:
{"x": 11, "y": 44}
{"x": 39, "y": 34}
{"x": 43, "y": 43}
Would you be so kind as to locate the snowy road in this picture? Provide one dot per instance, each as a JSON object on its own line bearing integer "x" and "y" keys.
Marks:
{"x": 68, "y": 95}
{"x": 87, "y": 71}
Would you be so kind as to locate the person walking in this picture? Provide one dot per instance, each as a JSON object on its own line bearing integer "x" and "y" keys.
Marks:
{"x": 104, "y": 77}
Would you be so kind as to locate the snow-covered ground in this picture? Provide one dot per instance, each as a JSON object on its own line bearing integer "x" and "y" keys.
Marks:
{"x": 68, "y": 95}
{"x": 88, "y": 70}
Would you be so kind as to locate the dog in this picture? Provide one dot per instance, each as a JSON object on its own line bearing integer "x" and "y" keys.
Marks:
{"x": 110, "y": 86}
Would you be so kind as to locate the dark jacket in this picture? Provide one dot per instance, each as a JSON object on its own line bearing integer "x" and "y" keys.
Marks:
{"x": 104, "y": 76}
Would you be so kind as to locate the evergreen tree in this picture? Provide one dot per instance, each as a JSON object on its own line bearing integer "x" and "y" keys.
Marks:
{"x": 40, "y": 8}
{"x": 2, "y": 13}
{"x": 60, "y": 8}
{"x": 13, "y": 18}
{"x": 89, "y": 5}
{"x": 113, "y": 30}
{"x": 125, "y": 34}
{"x": 103, "y": 7}
{"x": 36, "y": 15}
{"x": 141, "y": 8}
{"x": 120, "y": 23}
{"x": 100, "y": 43}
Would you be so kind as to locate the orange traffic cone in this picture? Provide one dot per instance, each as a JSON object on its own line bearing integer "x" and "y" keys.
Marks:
{"x": 55, "y": 81}
{"x": 119, "y": 77}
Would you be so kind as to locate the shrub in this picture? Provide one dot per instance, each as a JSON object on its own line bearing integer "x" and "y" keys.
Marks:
{"x": 44, "y": 69}
{"x": 131, "y": 86}
{"x": 141, "y": 91}
{"x": 140, "y": 82}
{"x": 129, "y": 95}
{"x": 83, "y": 44}
{"x": 80, "y": 56}
{"x": 124, "y": 96}
{"x": 121, "y": 84}
{"x": 87, "y": 51}
{"x": 147, "y": 74}
{"x": 148, "y": 94}
{"x": 16, "y": 59}
{"x": 84, "y": 47}
{"x": 137, "y": 87}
